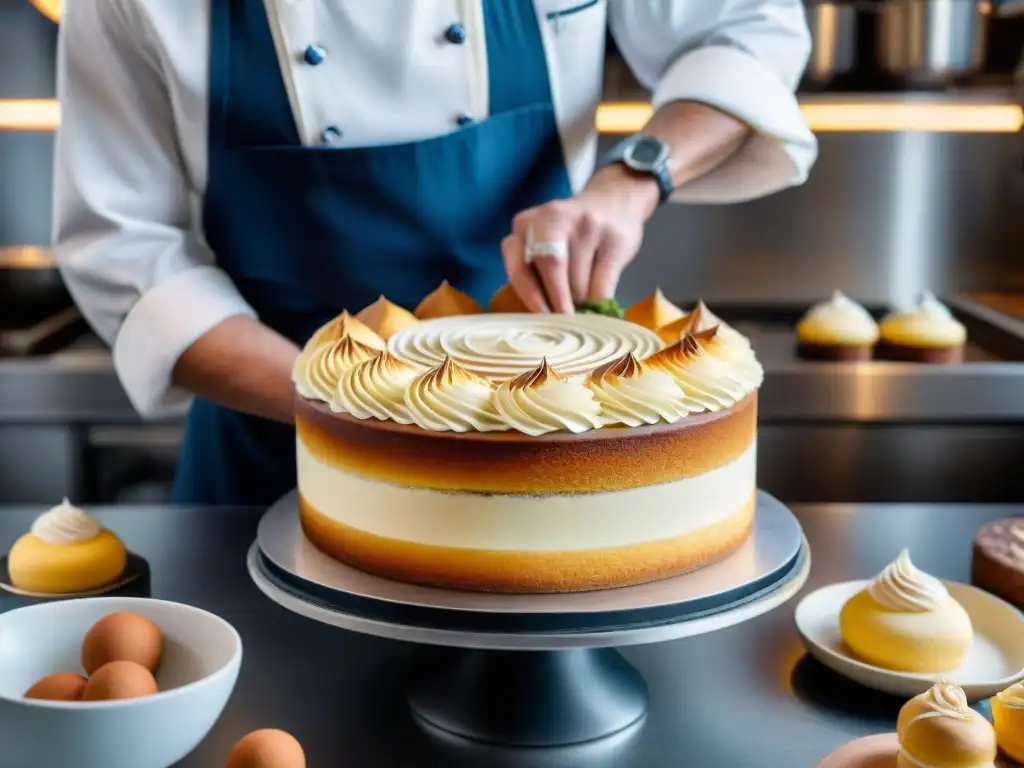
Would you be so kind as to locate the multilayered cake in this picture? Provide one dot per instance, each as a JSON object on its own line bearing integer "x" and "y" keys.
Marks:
{"x": 516, "y": 452}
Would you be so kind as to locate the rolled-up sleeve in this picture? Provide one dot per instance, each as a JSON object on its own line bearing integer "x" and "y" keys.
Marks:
{"x": 744, "y": 57}
{"x": 123, "y": 207}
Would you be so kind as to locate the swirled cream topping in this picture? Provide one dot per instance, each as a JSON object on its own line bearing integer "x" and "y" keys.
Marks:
{"x": 904, "y": 587}
{"x": 346, "y": 325}
{"x": 929, "y": 324}
{"x": 542, "y": 400}
{"x": 66, "y": 524}
{"x": 840, "y": 320}
{"x": 451, "y": 399}
{"x": 376, "y": 389}
{"x": 326, "y": 364}
{"x": 708, "y": 383}
{"x": 1012, "y": 697}
{"x": 945, "y": 699}
{"x": 501, "y": 347}
{"x": 748, "y": 367}
{"x": 631, "y": 393}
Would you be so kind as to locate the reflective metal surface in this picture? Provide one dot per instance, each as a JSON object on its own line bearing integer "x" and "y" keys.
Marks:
{"x": 742, "y": 696}
{"x": 932, "y": 40}
{"x": 771, "y": 549}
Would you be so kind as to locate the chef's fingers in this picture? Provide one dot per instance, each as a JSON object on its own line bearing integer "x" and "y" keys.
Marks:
{"x": 612, "y": 257}
{"x": 521, "y": 275}
{"x": 582, "y": 251}
{"x": 550, "y": 224}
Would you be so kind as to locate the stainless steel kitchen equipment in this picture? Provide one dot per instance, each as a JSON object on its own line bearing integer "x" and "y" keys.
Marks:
{"x": 932, "y": 42}
{"x": 833, "y": 26}
{"x": 31, "y": 289}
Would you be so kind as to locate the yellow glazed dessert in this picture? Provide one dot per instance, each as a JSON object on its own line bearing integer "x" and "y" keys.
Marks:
{"x": 1008, "y": 714}
{"x": 654, "y": 312}
{"x": 925, "y": 333}
{"x": 66, "y": 552}
{"x": 938, "y": 730}
{"x": 837, "y": 329}
{"x": 905, "y": 620}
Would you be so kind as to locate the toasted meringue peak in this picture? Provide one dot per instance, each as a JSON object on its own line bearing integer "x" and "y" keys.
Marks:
{"x": 376, "y": 389}
{"x": 631, "y": 393}
{"x": 538, "y": 377}
{"x": 449, "y": 398}
{"x": 386, "y": 318}
{"x": 346, "y": 325}
{"x": 543, "y": 401}
{"x": 709, "y": 383}
{"x": 654, "y": 312}
{"x": 626, "y": 367}
{"x": 328, "y": 362}
{"x": 445, "y": 301}
{"x": 505, "y": 299}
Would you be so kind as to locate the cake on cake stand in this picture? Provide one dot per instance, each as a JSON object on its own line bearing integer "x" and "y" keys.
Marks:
{"x": 530, "y": 670}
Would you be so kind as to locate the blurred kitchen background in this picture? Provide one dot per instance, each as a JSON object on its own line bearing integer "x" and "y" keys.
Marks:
{"x": 919, "y": 185}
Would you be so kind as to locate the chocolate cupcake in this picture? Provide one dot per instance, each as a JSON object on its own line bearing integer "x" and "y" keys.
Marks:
{"x": 925, "y": 333}
{"x": 998, "y": 563}
{"x": 837, "y": 329}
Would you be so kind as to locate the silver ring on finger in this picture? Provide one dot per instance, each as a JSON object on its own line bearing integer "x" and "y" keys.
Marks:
{"x": 551, "y": 249}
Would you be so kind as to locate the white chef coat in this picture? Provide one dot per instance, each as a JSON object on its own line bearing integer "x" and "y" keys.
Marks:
{"x": 131, "y": 152}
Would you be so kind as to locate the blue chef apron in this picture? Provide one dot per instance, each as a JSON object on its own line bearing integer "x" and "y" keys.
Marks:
{"x": 305, "y": 232}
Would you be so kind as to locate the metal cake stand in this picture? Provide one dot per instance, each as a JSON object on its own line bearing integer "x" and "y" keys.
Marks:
{"x": 530, "y": 670}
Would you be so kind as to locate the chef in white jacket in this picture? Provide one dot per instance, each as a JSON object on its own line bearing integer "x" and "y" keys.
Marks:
{"x": 232, "y": 173}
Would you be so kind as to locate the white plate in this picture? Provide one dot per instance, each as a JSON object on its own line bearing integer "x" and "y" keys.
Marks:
{"x": 995, "y": 660}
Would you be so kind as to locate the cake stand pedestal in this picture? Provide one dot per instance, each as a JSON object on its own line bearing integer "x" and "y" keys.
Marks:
{"x": 530, "y": 670}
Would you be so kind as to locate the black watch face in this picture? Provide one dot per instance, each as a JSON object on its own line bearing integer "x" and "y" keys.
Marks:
{"x": 645, "y": 153}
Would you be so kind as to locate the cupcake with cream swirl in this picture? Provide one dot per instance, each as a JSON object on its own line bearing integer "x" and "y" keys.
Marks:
{"x": 938, "y": 730}
{"x": 633, "y": 394}
{"x": 925, "y": 333}
{"x": 906, "y": 621}
{"x": 67, "y": 551}
{"x": 837, "y": 329}
{"x": 542, "y": 400}
{"x": 449, "y": 398}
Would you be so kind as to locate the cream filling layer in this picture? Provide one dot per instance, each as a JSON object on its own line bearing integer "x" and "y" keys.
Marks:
{"x": 532, "y": 523}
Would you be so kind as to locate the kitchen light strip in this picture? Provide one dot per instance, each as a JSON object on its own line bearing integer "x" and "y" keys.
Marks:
{"x": 43, "y": 115}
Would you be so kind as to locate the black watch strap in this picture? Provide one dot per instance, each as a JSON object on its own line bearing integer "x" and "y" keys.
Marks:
{"x": 658, "y": 169}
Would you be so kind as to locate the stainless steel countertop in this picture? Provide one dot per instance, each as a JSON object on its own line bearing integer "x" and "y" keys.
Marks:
{"x": 744, "y": 696}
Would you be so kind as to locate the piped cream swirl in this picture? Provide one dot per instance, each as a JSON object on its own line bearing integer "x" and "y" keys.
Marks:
{"x": 501, "y": 347}
{"x": 1012, "y": 697}
{"x": 66, "y": 524}
{"x": 451, "y": 399}
{"x": 630, "y": 393}
{"x": 542, "y": 401}
{"x": 326, "y": 365}
{"x": 904, "y": 587}
{"x": 376, "y": 389}
{"x": 945, "y": 699}
{"x": 708, "y": 383}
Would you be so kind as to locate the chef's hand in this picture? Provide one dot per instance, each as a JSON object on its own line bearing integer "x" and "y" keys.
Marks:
{"x": 601, "y": 229}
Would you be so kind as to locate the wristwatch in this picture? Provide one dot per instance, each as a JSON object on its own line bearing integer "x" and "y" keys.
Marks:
{"x": 644, "y": 155}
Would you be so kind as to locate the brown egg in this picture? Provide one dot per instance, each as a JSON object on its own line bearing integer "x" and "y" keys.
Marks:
{"x": 123, "y": 637}
{"x": 64, "y": 686}
{"x": 267, "y": 749}
{"x": 120, "y": 680}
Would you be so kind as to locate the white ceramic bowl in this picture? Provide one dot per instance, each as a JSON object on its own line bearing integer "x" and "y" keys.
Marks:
{"x": 202, "y": 656}
{"x": 994, "y": 661}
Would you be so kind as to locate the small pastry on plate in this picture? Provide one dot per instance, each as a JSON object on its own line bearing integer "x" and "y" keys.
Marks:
{"x": 906, "y": 621}
{"x": 654, "y": 312}
{"x": 445, "y": 301}
{"x": 925, "y": 333}
{"x": 1008, "y": 715}
{"x": 386, "y": 318}
{"x": 837, "y": 329}
{"x": 938, "y": 730}
{"x": 998, "y": 564}
{"x": 66, "y": 552}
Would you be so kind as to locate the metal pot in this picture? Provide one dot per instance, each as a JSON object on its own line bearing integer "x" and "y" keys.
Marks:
{"x": 31, "y": 288}
{"x": 932, "y": 41}
{"x": 833, "y": 27}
